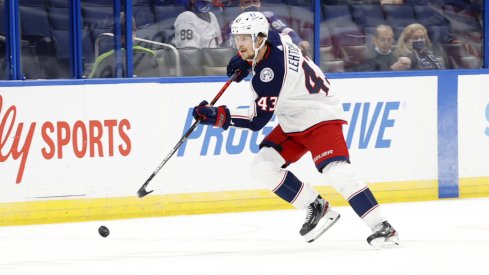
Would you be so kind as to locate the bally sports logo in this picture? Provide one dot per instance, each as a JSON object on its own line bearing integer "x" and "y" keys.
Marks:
{"x": 91, "y": 138}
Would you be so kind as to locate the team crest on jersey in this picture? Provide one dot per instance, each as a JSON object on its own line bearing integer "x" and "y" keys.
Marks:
{"x": 266, "y": 75}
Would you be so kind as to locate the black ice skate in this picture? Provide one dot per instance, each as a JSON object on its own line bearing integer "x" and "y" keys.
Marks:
{"x": 384, "y": 236}
{"x": 320, "y": 217}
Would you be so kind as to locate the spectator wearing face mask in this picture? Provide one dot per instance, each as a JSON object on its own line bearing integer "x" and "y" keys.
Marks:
{"x": 381, "y": 56}
{"x": 414, "y": 50}
{"x": 198, "y": 27}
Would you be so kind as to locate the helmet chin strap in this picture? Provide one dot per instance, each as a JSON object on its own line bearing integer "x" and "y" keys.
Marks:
{"x": 256, "y": 52}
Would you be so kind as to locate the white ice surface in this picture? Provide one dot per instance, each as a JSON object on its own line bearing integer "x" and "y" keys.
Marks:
{"x": 439, "y": 237}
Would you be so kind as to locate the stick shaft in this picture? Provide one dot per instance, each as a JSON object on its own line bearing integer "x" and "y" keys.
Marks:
{"x": 184, "y": 137}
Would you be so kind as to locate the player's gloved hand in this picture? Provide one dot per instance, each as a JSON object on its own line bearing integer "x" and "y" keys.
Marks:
{"x": 216, "y": 116}
{"x": 236, "y": 63}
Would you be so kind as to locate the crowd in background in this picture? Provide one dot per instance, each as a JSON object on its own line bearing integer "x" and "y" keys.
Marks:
{"x": 355, "y": 35}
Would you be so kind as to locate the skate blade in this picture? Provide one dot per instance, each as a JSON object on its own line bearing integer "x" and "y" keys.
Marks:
{"x": 329, "y": 219}
{"x": 382, "y": 242}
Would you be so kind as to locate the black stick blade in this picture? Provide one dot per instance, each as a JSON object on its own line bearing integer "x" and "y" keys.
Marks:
{"x": 142, "y": 191}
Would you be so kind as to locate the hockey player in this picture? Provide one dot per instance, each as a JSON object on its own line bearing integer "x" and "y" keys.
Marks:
{"x": 310, "y": 115}
{"x": 275, "y": 22}
{"x": 198, "y": 27}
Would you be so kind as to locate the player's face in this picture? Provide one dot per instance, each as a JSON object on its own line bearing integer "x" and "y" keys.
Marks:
{"x": 244, "y": 43}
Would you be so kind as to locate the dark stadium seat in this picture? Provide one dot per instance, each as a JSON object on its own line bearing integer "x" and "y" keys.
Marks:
{"x": 151, "y": 32}
{"x": 165, "y": 15}
{"x": 142, "y": 2}
{"x": 465, "y": 62}
{"x": 58, "y": 3}
{"x": 350, "y": 45}
{"x": 461, "y": 20}
{"x": 325, "y": 38}
{"x": 215, "y": 60}
{"x": 35, "y": 28}
{"x": 230, "y": 13}
{"x": 440, "y": 34}
{"x": 166, "y": 60}
{"x": 368, "y": 15}
{"x": 281, "y": 11}
{"x": 88, "y": 48}
{"x": 455, "y": 49}
{"x": 107, "y": 3}
{"x": 335, "y": 16}
{"x": 428, "y": 16}
{"x": 301, "y": 17}
{"x": 2, "y": 22}
{"x": 59, "y": 18}
{"x": 327, "y": 53}
{"x": 32, "y": 3}
{"x": 330, "y": 66}
{"x": 143, "y": 14}
{"x": 399, "y": 15}
{"x": 98, "y": 17}
{"x": 348, "y": 35}
{"x": 191, "y": 61}
{"x": 34, "y": 21}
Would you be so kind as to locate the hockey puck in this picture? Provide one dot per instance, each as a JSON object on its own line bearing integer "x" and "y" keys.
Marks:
{"x": 103, "y": 231}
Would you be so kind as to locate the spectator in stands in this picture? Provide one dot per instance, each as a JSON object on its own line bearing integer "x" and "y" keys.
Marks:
{"x": 413, "y": 50}
{"x": 198, "y": 27}
{"x": 145, "y": 63}
{"x": 275, "y": 23}
{"x": 382, "y": 57}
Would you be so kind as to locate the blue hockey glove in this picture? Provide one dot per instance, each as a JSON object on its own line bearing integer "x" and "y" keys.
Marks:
{"x": 215, "y": 116}
{"x": 236, "y": 63}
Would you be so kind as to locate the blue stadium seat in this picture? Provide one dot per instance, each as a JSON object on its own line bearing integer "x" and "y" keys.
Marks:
{"x": 142, "y": 2}
{"x": 2, "y": 21}
{"x": 335, "y": 16}
{"x": 350, "y": 45}
{"x": 151, "y": 32}
{"x": 399, "y": 15}
{"x": 301, "y": 17}
{"x": 143, "y": 14}
{"x": 58, "y": 3}
{"x": 165, "y": 15}
{"x": 34, "y": 21}
{"x": 215, "y": 60}
{"x": 32, "y": 3}
{"x": 281, "y": 11}
{"x": 461, "y": 19}
{"x": 427, "y": 16}
{"x": 62, "y": 43}
{"x": 440, "y": 34}
{"x": 98, "y": 17}
{"x": 191, "y": 61}
{"x": 88, "y": 47}
{"x": 349, "y": 35}
{"x": 298, "y": 2}
{"x": 325, "y": 38}
{"x": 368, "y": 15}
{"x": 107, "y": 3}
{"x": 230, "y": 13}
{"x": 59, "y": 18}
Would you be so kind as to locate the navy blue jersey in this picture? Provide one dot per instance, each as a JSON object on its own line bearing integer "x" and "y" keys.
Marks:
{"x": 292, "y": 87}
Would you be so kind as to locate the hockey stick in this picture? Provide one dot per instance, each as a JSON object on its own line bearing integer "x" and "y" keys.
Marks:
{"x": 142, "y": 191}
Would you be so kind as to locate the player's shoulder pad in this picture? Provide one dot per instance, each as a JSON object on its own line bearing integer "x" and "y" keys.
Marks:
{"x": 274, "y": 38}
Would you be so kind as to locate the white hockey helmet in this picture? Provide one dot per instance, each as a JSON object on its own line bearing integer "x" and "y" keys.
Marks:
{"x": 252, "y": 23}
